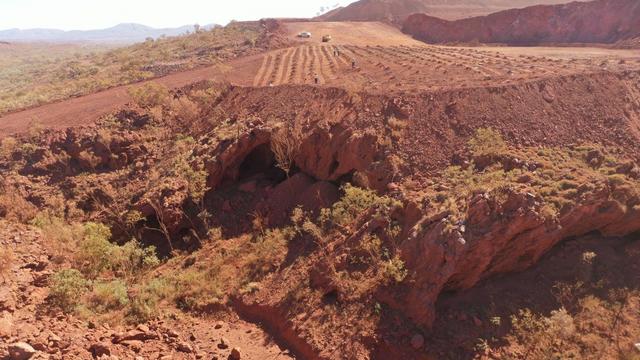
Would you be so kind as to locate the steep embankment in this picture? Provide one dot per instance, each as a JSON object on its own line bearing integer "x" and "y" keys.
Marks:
{"x": 395, "y": 11}
{"x": 556, "y": 111}
{"x": 617, "y": 20}
{"x": 412, "y": 208}
{"x": 474, "y": 222}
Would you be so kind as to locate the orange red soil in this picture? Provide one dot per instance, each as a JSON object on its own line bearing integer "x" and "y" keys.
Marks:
{"x": 385, "y": 60}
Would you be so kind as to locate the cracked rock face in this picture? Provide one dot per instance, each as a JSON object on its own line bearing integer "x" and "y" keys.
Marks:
{"x": 499, "y": 237}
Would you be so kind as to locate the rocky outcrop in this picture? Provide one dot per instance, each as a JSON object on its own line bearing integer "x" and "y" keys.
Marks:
{"x": 395, "y": 11}
{"x": 568, "y": 23}
{"x": 75, "y": 150}
{"x": 499, "y": 236}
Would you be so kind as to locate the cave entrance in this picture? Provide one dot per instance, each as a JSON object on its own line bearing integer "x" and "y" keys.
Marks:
{"x": 261, "y": 161}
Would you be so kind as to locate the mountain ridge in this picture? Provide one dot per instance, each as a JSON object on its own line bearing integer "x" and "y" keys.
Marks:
{"x": 120, "y": 33}
{"x": 566, "y": 23}
{"x": 396, "y": 11}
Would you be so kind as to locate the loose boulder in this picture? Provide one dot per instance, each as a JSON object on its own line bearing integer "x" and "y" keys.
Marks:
{"x": 21, "y": 351}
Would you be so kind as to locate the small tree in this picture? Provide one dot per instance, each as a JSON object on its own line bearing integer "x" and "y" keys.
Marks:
{"x": 67, "y": 287}
{"x": 285, "y": 144}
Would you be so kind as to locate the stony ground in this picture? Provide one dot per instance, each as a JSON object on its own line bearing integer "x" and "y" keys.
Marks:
{"x": 28, "y": 330}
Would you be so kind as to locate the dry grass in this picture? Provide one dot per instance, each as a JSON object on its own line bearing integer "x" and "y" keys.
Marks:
{"x": 284, "y": 144}
{"x": 14, "y": 207}
{"x": 558, "y": 177}
{"x": 7, "y": 259}
{"x": 32, "y": 75}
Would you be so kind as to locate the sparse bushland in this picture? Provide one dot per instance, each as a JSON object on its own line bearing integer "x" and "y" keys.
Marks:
{"x": 149, "y": 295}
{"x": 101, "y": 272}
{"x": 96, "y": 254}
{"x": 35, "y": 75}
{"x": 559, "y": 178}
{"x": 108, "y": 296}
{"x": 149, "y": 95}
{"x": 60, "y": 237}
{"x": 239, "y": 266}
{"x": 370, "y": 259}
{"x": 343, "y": 259}
{"x": 67, "y": 288}
{"x": 591, "y": 328}
{"x": 487, "y": 142}
{"x": 586, "y": 311}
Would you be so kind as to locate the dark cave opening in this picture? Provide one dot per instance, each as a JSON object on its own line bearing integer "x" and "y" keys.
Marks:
{"x": 261, "y": 161}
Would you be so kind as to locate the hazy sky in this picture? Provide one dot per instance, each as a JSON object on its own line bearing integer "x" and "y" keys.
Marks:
{"x": 95, "y": 14}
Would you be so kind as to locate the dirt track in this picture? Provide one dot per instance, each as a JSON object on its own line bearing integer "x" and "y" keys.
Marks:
{"x": 351, "y": 33}
{"x": 85, "y": 109}
{"x": 385, "y": 60}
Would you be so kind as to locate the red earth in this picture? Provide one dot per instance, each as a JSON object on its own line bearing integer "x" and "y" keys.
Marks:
{"x": 395, "y": 11}
{"x": 385, "y": 61}
{"x": 617, "y": 20}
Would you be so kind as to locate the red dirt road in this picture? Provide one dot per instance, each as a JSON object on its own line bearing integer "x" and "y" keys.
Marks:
{"x": 86, "y": 109}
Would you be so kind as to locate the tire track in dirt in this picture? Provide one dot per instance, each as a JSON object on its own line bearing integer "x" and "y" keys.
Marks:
{"x": 311, "y": 69}
{"x": 328, "y": 58}
{"x": 340, "y": 59}
{"x": 305, "y": 64}
{"x": 277, "y": 63}
{"x": 294, "y": 73}
{"x": 476, "y": 62}
{"x": 351, "y": 54}
{"x": 285, "y": 69}
{"x": 318, "y": 65}
{"x": 263, "y": 71}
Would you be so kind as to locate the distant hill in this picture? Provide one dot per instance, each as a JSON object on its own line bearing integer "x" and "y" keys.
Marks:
{"x": 396, "y": 11}
{"x": 600, "y": 21}
{"x": 122, "y": 33}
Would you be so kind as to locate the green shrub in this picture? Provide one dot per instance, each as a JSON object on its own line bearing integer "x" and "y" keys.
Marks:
{"x": 487, "y": 142}
{"x": 108, "y": 296}
{"x": 268, "y": 251}
{"x": 60, "y": 237}
{"x": 132, "y": 257}
{"x": 95, "y": 251}
{"x": 149, "y": 95}
{"x": 196, "y": 288}
{"x": 394, "y": 270}
{"x": 144, "y": 305}
{"x": 97, "y": 254}
{"x": 196, "y": 178}
{"x": 353, "y": 202}
{"x": 67, "y": 288}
